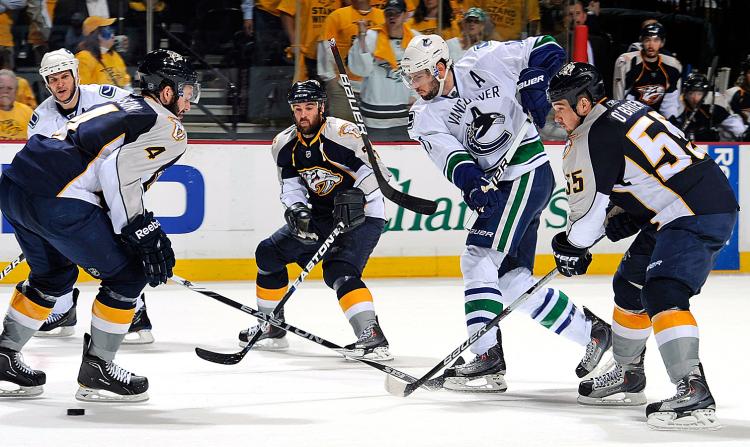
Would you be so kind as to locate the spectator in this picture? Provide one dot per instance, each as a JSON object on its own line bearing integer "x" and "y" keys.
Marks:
{"x": 24, "y": 93}
{"x": 14, "y": 116}
{"x": 648, "y": 76}
{"x": 344, "y": 24}
{"x": 314, "y": 13}
{"x": 512, "y": 18}
{"x": 7, "y": 54}
{"x": 425, "y": 19}
{"x": 41, "y": 14}
{"x": 596, "y": 46}
{"x": 262, "y": 20}
{"x": 704, "y": 119}
{"x": 739, "y": 95}
{"x": 74, "y": 34}
{"x": 473, "y": 31}
{"x": 99, "y": 62}
{"x": 376, "y": 55}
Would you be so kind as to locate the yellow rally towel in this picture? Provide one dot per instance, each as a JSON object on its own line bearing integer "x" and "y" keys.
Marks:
{"x": 383, "y": 48}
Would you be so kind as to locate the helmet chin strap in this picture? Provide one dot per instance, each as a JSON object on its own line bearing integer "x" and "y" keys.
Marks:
{"x": 67, "y": 101}
{"x": 441, "y": 81}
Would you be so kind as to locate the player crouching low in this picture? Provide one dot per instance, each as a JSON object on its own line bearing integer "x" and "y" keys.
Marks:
{"x": 680, "y": 205}
{"x": 324, "y": 172}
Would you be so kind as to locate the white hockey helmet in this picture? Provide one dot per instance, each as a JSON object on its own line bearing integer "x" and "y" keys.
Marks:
{"x": 58, "y": 61}
{"x": 424, "y": 53}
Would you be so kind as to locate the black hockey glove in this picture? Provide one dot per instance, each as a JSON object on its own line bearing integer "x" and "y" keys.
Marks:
{"x": 299, "y": 219}
{"x": 349, "y": 207}
{"x": 621, "y": 226}
{"x": 145, "y": 236}
{"x": 478, "y": 199}
{"x": 532, "y": 87}
{"x": 570, "y": 260}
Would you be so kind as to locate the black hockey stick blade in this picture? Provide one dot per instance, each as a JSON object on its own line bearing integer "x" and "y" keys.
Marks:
{"x": 399, "y": 388}
{"x": 416, "y": 204}
{"x": 235, "y": 358}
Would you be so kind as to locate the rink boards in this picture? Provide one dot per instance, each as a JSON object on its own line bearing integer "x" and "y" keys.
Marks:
{"x": 221, "y": 199}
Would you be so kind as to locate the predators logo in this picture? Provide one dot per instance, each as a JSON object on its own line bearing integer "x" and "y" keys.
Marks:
{"x": 321, "y": 180}
{"x": 651, "y": 94}
{"x": 350, "y": 129}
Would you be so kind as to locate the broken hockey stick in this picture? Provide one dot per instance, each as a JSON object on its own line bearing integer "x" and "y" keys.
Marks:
{"x": 404, "y": 388}
{"x": 292, "y": 329}
{"x": 416, "y": 204}
{"x": 233, "y": 359}
{"x": 13, "y": 264}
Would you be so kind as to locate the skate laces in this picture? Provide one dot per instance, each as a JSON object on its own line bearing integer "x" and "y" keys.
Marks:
{"x": 54, "y": 318}
{"x": 368, "y": 333}
{"x": 608, "y": 379}
{"x": 18, "y": 361}
{"x": 119, "y": 373}
{"x": 682, "y": 390}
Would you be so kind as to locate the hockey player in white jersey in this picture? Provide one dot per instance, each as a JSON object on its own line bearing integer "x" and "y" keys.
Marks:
{"x": 466, "y": 119}
{"x": 59, "y": 70}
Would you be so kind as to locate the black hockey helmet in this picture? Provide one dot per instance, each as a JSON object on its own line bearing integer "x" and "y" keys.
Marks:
{"x": 306, "y": 91}
{"x": 654, "y": 29}
{"x": 574, "y": 80}
{"x": 161, "y": 68}
{"x": 695, "y": 82}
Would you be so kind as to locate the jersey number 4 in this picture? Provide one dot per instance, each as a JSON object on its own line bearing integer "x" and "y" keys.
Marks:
{"x": 672, "y": 141}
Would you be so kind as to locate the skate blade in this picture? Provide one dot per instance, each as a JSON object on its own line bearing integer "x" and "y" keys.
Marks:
{"x": 378, "y": 354}
{"x": 62, "y": 331}
{"x": 142, "y": 337}
{"x": 269, "y": 344}
{"x": 697, "y": 420}
{"x": 493, "y": 383}
{"x": 615, "y": 400}
{"x": 86, "y": 394}
{"x": 19, "y": 392}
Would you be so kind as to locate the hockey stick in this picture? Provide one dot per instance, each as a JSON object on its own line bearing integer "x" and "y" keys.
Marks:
{"x": 292, "y": 329}
{"x": 399, "y": 388}
{"x": 13, "y": 264}
{"x": 416, "y": 204}
{"x": 233, "y": 359}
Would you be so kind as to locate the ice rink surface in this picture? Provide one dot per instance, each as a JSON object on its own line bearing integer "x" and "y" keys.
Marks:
{"x": 308, "y": 396}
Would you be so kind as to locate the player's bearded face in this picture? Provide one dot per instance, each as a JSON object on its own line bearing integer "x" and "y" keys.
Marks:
{"x": 424, "y": 83}
{"x": 180, "y": 105}
{"x": 651, "y": 46}
{"x": 62, "y": 85}
{"x": 307, "y": 117}
{"x": 565, "y": 116}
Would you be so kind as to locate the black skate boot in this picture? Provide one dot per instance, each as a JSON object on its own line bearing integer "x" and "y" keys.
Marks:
{"x": 601, "y": 342}
{"x": 102, "y": 381}
{"x": 484, "y": 374}
{"x": 371, "y": 345}
{"x": 692, "y": 408}
{"x": 271, "y": 338}
{"x": 622, "y": 386}
{"x": 139, "y": 332}
{"x": 13, "y": 369}
{"x": 60, "y": 325}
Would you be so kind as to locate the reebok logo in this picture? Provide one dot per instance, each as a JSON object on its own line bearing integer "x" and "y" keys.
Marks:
{"x": 531, "y": 81}
{"x": 653, "y": 264}
{"x": 145, "y": 231}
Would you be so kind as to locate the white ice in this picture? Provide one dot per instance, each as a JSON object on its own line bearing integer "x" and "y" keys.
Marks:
{"x": 309, "y": 396}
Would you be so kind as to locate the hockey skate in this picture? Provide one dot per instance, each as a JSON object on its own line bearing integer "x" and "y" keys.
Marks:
{"x": 102, "y": 381}
{"x": 371, "y": 345}
{"x": 692, "y": 408}
{"x": 60, "y": 325}
{"x": 484, "y": 374}
{"x": 139, "y": 332}
{"x": 26, "y": 382}
{"x": 271, "y": 338}
{"x": 601, "y": 341}
{"x": 622, "y": 386}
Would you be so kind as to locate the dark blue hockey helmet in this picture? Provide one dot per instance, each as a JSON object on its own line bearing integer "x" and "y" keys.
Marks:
{"x": 576, "y": 79}
{"x": 161, "y": 68}
{"x": 654, "y": 29}
{"x": 306, "y": 91}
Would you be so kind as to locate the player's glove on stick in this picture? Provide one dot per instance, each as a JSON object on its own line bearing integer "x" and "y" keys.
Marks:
{"x": 570, "y": 260}
{"x": 349, "y": 207}
{"x": 299, "y": 218}
{"x": 481, "y": 194}
{"x": 532, "y": 87}
{"x": 145, "y": 236}
{"x": 621, "y": 226}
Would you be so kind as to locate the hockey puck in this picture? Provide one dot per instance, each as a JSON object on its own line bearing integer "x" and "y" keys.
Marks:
{"x": 76, "y": 411}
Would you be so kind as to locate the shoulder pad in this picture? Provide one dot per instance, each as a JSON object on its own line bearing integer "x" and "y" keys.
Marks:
{"x": 343, "y": 132}
{"x": 282, "y": 139}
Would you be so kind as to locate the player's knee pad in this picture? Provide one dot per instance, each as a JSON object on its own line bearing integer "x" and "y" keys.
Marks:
{"x": 129, "y": 281}
{"x": 267, "y": 257}
{"x": 660, "y": 294}
{"x": 272, "y": 280}
{"x": 335, "y": 270}
{"x": 627, "y": 293}
{"x": 480, "y": 265}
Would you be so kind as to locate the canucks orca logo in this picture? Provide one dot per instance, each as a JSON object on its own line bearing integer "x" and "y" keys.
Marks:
{"x": 321, "y": 180}
{"x": 483, "y": 136}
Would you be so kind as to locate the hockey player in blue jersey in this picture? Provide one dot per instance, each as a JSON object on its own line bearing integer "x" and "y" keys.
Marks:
{"x": 76, "y": 199}
{"x": 630, "y": 171}
{"x": 466, "y": 119}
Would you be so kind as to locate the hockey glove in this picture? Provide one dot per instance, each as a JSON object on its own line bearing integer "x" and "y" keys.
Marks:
{"x": 620, "y": 226}
{"x": 349, "y": 207}
{"x": 478, "y": 199}
{"x": 145, "y": 236}
{"x": 532, "y": 87}
{"x": 570, "y": 260}
{"x": 299, "y": 219}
